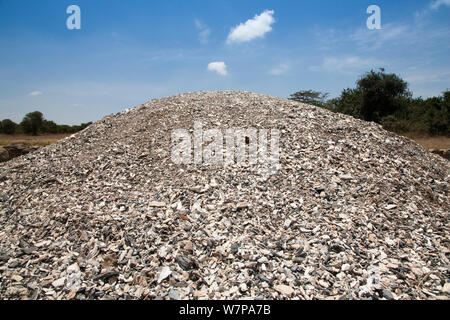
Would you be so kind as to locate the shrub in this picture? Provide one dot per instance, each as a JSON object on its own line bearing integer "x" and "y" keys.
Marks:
{"x": 8, "y": 126}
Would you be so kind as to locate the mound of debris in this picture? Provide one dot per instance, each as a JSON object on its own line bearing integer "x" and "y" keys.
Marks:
{"x": 351, "y": 212}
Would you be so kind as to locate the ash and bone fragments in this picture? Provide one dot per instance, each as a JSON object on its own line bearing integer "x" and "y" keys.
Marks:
{"x": 354, "y": 212}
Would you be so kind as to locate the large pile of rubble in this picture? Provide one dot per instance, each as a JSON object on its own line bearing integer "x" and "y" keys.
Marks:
{"x": 353, "y": 212}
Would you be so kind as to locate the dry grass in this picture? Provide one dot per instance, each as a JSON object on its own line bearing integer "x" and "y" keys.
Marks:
{"x": 432, "y": 142}
{"x": 41, "y": 140}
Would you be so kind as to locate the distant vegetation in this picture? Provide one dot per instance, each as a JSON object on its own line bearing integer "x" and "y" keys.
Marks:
{"x": 34, "y": 123}
{"x": 385, "y": 99}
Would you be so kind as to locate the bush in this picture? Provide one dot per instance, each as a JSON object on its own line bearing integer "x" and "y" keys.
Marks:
{"x": 384, "y": 98}
{"x": 8, "y": 126}
{"x": 34, "y": 123}
{"x": 49, "y": 127}
{"x": 394, "y": 124}
{"x": 436, "y": 116}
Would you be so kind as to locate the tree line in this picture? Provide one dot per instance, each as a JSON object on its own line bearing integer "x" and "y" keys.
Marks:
{"x": 385, "y": 99}
{"x": 34, "y": 123}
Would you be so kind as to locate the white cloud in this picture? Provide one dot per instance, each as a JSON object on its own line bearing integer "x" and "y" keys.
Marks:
{"x": 219, "y": 67}
{"x": 203, "y": 31}
{"x": 279, "y": 69}
{"x": 35, "y": 93}
{"x": 438, "y": 3}
{"x": 252, "y": 28}
{"x": 347, "y": 65}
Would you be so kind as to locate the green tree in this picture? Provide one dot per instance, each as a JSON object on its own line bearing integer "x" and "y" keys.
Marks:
{"x": 85, "y": 125}
{"x": 384, "y": 98}
{"x": 310, "y": 97}
{"x": 62, "y": 128}
{"x": 9, "y": 126}
{"x": 437, "y": 115}
{"x": 446, "y": 95}
{"x": 380, "y": 94}
{"x": 32, "y": 122}
{"x": 349, "y": 102}
{"x": 424, "y": 117}
{"x": 49, "y": 127}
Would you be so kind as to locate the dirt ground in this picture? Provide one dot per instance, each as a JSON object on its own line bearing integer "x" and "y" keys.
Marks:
{"x": 432, "y": 142}
{"x": 41, "y": 140}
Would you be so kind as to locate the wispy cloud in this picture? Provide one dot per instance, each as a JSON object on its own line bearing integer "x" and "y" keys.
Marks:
{"x": 427, "y": 77}
{"x": 375, "y": 39}
{"x": 398, "y": 35}
{"x": 168, "y": 55}
{"x": 435, "y": 5}
{"x": 203, "y": 31}
{"x": 350, "y": 65}
{"x": 35, "y": 93}
{"x": 252, "y": 28}
{"x": 219, "y": 66}
{"x": 425, "y": 15}
{"x": 279, "y": 69}
{"x": 327, "y": 39}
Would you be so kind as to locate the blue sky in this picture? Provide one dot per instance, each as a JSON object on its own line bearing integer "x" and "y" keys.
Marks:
{"x": 128, "y": 52}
